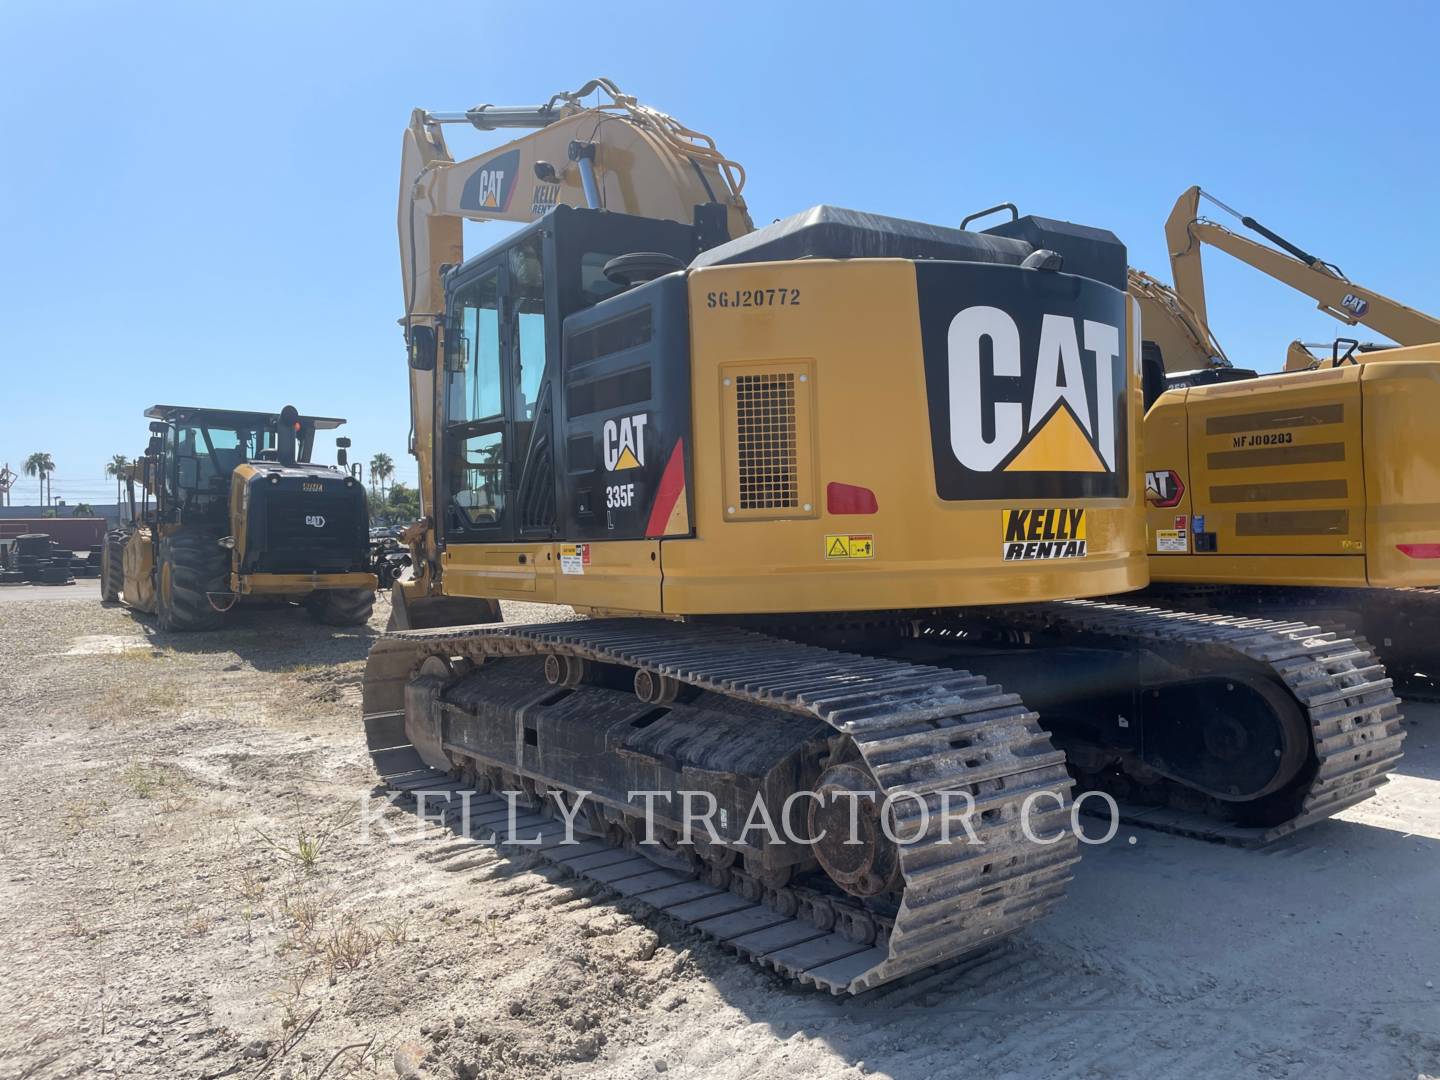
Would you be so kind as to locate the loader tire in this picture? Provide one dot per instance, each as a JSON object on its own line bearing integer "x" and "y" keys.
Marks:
{"x": 191, "y": 567}
{"x": 112, "y": 569}
{"x": 341, "y": 607}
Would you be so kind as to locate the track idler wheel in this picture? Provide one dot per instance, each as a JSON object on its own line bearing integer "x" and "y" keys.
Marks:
{"x": 847, "y": 804}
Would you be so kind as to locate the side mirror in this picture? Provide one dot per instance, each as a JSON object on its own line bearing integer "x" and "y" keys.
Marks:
{"x": 422, "y": 348}
{"x": 188, "y": 472}
{"x": 157, "y": 427}
{"x": 342, "y": 458}
{"x": 154, "y": 446}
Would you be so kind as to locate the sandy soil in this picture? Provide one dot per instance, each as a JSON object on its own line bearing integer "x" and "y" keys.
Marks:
{"x": 186, "y": 894}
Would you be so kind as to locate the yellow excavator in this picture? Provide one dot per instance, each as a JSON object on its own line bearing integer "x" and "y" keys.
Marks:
{"x": 1302, "y": 494}
{"x": 823, "y": 488}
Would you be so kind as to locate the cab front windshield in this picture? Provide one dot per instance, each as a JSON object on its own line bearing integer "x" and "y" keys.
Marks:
{"x": 218, "y": 450}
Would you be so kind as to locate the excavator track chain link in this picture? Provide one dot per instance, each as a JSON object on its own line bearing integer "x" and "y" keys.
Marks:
{"x": 1339, "y": 682}
{"x": 922, "y": 731}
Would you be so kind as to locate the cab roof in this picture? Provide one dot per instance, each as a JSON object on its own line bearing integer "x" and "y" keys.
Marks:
{"x": 233, "y": 417}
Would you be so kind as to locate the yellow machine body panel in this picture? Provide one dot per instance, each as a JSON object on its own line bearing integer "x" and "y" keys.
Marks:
{"x": 139, "y": 563}
{"x": 1402, "y": 468}
{"x": 851, "y": 360}
{"x": 847, "y": 363}
{"x": 1311, "y": 478}
{"x": 300, "y": 584}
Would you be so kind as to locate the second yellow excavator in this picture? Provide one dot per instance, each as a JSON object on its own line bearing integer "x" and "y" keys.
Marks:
{"x": 1310, "y": 493}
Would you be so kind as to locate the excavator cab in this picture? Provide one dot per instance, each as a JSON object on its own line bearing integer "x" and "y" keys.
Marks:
{"x": 508, "y": 310}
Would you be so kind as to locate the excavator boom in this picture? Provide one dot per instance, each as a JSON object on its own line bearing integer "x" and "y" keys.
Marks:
{"x": 617, "y": 155}
{"x": 1333, "y": 292}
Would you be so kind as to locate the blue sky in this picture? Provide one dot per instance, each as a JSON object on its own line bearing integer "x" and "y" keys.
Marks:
{"x": 198, "y": 200}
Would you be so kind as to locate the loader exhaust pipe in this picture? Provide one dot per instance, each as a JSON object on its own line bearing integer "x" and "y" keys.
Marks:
{"x": 288, "y": 434}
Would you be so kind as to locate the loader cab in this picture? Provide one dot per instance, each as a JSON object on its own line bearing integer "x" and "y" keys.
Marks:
{"x": 506, "y": 308}
{"x": 194, "y": 452}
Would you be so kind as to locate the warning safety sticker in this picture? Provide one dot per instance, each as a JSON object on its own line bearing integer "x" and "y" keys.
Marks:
{"x": 850, "y": 546}
{"x": 1039, "y": 534}
{"x": 574, "y": 558}
{"x": 1172, "y": 541}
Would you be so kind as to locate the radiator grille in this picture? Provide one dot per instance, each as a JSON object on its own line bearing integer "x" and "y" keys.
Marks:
{"x": 302, "y": 532}
{"x": 765, "y": 430}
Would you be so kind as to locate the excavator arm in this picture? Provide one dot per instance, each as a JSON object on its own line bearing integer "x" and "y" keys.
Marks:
{"x": 1184, "y": 340}
{"x": 1333, "y": 292}
{"x": 616, "y": 155}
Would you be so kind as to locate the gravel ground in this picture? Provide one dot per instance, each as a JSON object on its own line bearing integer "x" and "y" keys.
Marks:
{"x": 187, "y": 893}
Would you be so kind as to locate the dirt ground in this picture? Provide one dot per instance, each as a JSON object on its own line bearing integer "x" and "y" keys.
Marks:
{"x": 186, "y": 893}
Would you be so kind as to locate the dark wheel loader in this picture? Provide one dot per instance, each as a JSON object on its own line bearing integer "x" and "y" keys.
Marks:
{"x": 232, "y": 510}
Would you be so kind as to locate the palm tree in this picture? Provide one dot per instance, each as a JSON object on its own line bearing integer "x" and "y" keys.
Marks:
{"x": 42, "y": 465}
{"x": 116, "y": 467}
{"x": 381, "y": 469}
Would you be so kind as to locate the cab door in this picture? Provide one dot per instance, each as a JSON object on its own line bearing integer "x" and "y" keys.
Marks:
{"x": 492, "y": 399}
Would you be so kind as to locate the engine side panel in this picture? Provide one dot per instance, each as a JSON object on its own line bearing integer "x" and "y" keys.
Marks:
{"x": 1315, "y": 478}
{"x": 841, "y": 404}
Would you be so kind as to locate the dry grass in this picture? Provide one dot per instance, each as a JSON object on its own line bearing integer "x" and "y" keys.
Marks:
{"x": 80, "y": 815}
{"x": 346, "y": 947}
{"x": 304, "y": 848}
{"x": 144, "y": 655}
{"x": 143, "y": 780}
{"x": 251, "y": 888}
{"x": 396, "y": 930}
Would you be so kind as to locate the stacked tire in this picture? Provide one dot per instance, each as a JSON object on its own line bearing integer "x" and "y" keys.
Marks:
{"x": 57, "y": 573}
{"x": 32, "y": 556}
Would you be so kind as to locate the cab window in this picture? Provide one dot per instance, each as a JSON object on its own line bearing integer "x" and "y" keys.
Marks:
{"x": 475, "y": 406}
